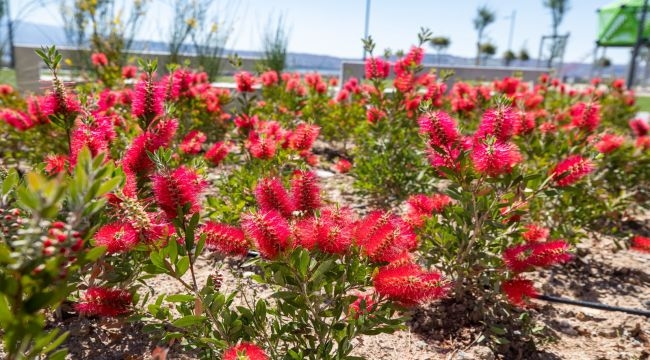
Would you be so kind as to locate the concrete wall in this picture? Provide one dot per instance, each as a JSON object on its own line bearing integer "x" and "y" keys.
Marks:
{"x": 29, "y": 65}
{"x": 476, "y": 73}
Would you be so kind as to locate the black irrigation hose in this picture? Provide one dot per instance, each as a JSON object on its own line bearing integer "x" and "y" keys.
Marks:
{"x": 593, "y": 305}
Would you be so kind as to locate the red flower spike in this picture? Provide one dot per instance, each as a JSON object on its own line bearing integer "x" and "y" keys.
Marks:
{"x": 639, "y": 127}
{"x": 217, "y": 153}
{"x": 100, "y": 301}
{"x": 342, "y": 166}
{"x": 409, "y": 284}
{"x": 494, "y": 159}
{"x": 440, "y": 128}
{"x": 640, "y": 243}
{"x": 305, "y": 191}
{"x": 499, "y": 122}
{"x": 245, "y": 81}
{"x": 357, "y": 308}
{"x": 377, "y": 68}
{"x": 56, "y": 164}
{"x": 224, "y": 239}
{"x": 269, "y": 231}
{"x": 332, "y": 237}
{"x": 572, "y": 169}
{"x": 585, "y": 116}
{"x": 384, "y": 237}
{"x": 17, "y": 119}
{"x": 518, "y": 258}
{"x": 117, "y": 237}
{"x": 245, "y": 351}
{"x": 176, "y": 189}
{"x": 270, "y": 194}
{"x": 148, "y": 99}
{"x": 304, "y": 233}
{"x": 192, "y": 142}
{"x": 609, "y": 143}
{"x": 535, "y": 233}
{"x": 99, "y": 59}
{"x": 421, "y": 207}
{"x": 550, "y": 253}
{"x": 519, "y": 290}
{"x": 303, "y": 137}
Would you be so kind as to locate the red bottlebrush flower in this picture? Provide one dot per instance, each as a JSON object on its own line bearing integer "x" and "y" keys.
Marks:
{"x": 374, "y": 115}
{"x": 384, "y": 237}
{"x": 303, "y": 137}
{"x": 639, "y": 127}
{"x": 525, "y": 123}
{"x": 404, "y": 82}
{"x": 440, "y": 128}
{"x": 409, "y": 284}
{"x": 304, "y": 233}
{"x": 447, "y": 158}
{"x": 305, "y": 191}
{"x": 421, "y": 207}
{"x": 56, "y": 164}
{"x": 518, "y": 258}
{"x": 17, "y": 119}
{"x": 507, "y": 86}
{"x": 129, "y": 72}
{"x": 261, "y": 147}
{"x": 535, "y": 233}
{"x": 640, "y": 243}
{"x": 435, "y": 93}
{"x": 100, "y": 301}
{"x": 363, "y": 305}
{"x": 148, "y": 99}
{"x": 269, "y": 78}
{"x": 245, "y": 351}
{"x": 618, "y": 84}
{"x": 245, "y": 81}
{"x": 643, "y": 142}
{"x": 6, "y": 89}
{"x": 224, "y": 239}
{"x": 408, "y": 62}
{"x": 99, "y": 59}
{"x": 270, "y": 194}
{"x": 35, "y": 110}
{"x": 377, "y": 68}
{"x": 217, "y": 153}
{"x": 53, "y": 104}
{"x": 609, "y": 143}
{"x": 499, "y": 122}
{"x": 192, "y": 142}
{"x": 269, "y": 231}
{"x": 585, "y": 116}
{"x": 94, "y": 136}
{"x": 107, "y": 99}
{"x": 342, "y": 95}
{"x": 176, "y": 189}
{"x": 572, "y": 169}
{"x": 519, "y": 290}
{"x": 494, "y": 159}
{"x": 332, "y": 236}
{"x": 118, "y": 237}
{"x": 342, "y": 166}
{"x": 550, "y": 253}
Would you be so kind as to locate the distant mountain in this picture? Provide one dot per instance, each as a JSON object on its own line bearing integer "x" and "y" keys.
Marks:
{"x": 28, "y": 33}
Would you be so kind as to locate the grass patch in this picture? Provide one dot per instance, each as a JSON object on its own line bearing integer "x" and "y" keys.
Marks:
{"x": 643, "y": 102}
{"x": 8, "y": 76}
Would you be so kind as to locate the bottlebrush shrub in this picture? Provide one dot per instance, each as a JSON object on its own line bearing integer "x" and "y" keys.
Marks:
{"x": 333, "y": 276}
{"x": 44, "y": 228}
{"x": 389, "y": 136}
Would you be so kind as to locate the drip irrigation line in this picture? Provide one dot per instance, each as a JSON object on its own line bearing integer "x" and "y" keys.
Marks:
{"x": 593, "y": 305}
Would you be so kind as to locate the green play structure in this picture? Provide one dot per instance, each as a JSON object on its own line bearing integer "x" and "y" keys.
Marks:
{"x": 623, "y": 24}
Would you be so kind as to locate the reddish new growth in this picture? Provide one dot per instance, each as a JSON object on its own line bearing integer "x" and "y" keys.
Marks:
{"x": 269, "y": 231}
{"x": 421, "y": 207}
{"x": 519, "y": 290}
{"x": 56, "y": 164}
{"x": 177, "y": 188}
{"x": 270, "y": 194}
{"x": 245, "y": 81}
{"x": 609, "y": 143}
{"x": 377, "y": 68}
{"x": 192, "y": 142}
{"x": 245, "y": 351}
{"x": 409, "y": 284}
{"x": 640, "y": 243}
{"x": 572, "y": 169}
{"x": 217, "y": 153}
{"x": 148, "y": 99}
{"x": 499, "y": 122}
{"x": 305, "y": 191}
{"x": 520, "y": 258}
{"x": 225, "y": 239}
{"x": 585, "y": 116}
{"x": 118, "y": 237}
{"x": 303, "y": 137}
{"x": 384, "y": 237}
{"x": 494, "y": 158}
{"x": 100, "y": 301}
{"x": 440, "y": 128}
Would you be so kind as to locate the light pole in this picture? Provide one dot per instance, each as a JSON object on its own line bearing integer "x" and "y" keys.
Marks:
{"x": 512, "y": 28}
{"x": 639, "y": 39}
{"x": 365, "y": 32}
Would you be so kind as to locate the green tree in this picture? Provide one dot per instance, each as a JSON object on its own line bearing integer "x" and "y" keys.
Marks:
{"x": 484, "y": 17}
{"x": 508, "y": 57}
{"x": 440, "y": 44}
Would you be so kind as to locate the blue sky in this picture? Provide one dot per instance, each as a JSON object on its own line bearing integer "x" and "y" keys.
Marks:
{"x": 335, "y": 27}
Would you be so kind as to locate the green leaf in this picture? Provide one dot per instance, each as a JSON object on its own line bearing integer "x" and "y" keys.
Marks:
{"x": 182, "y": 265}
{"x": 95, "y": 253}
{"x": 188, "y": 320}
{"x": 321, "y": 270}
{"x": 179, "y": 298}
